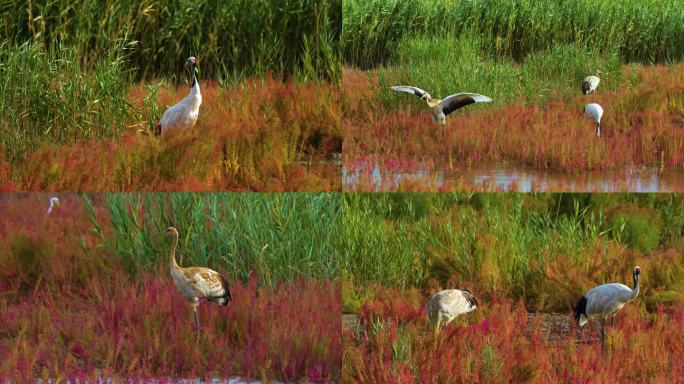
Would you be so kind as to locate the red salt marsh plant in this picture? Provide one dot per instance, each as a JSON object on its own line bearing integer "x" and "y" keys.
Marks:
{"x": 500, "y": 342}
{"x": 642, "y": 126}
{"x": 69, "y": 310}
{"x": 258, "y": 135}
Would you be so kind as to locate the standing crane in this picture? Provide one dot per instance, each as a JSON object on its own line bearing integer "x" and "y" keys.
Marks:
{"x": 442, "y": 108}
{"x": 196, "y": 283}
{"x": 594, "y": 112}
{"x": 590, "y": 83}
{"x": 54, "y": 202}
{"x": 446, "y": 305}
{"x": 605, "y": 300}
{"x": 184, "y": 113}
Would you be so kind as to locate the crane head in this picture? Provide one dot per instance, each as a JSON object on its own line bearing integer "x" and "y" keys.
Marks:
{"x": 637, "y": 270}
{"x": 167, "y": 231}
{"x": 192, "y": 61}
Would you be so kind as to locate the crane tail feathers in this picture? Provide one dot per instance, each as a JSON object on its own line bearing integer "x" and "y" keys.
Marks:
{"x": 157, "y": 130}
{"x": 581, "y": 311}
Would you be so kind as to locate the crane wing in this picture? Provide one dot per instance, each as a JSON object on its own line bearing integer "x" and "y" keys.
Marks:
{"x": 460, "y": 100}
{"x": 208, "y": 283}
{"x": 410, "y": 89}
{"x": 453, "y": 301}
{"x": 607, "y": 298}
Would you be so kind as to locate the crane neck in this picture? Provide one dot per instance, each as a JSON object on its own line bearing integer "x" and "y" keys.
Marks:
{"x": 172, "y": 262}
{"x": 635, "y": 290}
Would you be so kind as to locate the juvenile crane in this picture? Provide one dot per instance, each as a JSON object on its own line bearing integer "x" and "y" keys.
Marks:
{"x": 605, "y": 300}
{"x": 54, "y": 202}
{"x": 183, "y": 114}
{"x": 590, "y": 84}
{"x": 196, "y": 283}
{"x": 442, "y": 108}
{"x": 594, "y": 112}
{"x": 446, "y": 305}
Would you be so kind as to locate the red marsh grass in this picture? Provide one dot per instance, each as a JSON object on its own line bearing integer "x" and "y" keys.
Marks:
{"x": 500, "y": 342}
{"x": 642, "y": 125}
{"x": 68, "y": 310}
{"x": 257, "y": 135}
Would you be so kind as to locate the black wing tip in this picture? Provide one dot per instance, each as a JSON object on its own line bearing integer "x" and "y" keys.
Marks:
{"x": 581, "y": 308}
{"x": 585, "y": 87}
{"x": 226, "y": 288}
{"x": 157, "y": 130}
{"x": 472, "y": 301}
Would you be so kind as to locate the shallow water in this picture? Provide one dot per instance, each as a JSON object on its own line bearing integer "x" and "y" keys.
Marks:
{"x": 368, "y": 175}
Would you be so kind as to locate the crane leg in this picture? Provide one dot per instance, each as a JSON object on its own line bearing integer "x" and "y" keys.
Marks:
{"x": 603, "y": 335}
{"x": 194, "y": 309}
{"x": 612, "y": 324}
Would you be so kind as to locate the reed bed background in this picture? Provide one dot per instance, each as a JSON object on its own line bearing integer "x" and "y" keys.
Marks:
{"x": 649, "y": 31}
{"x": 232, "y": 38}
{"x": 85, "y": 292}
{"x": 546, "y": 249}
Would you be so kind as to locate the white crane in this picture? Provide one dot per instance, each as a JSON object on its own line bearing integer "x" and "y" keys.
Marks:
{"x": 184, "y": 113}
{"x": 590, "y": 84}
{"x": 594, "y": 112}
{"x": 196, "y": 283}
{"x": 442, "y": 108}
{"x": 446, "y": 305}
{"x": 54, "y": 202}
{"x": 605, "y": 300}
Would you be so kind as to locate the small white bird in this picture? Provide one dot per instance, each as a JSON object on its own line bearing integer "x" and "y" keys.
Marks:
{"x": 594, "y": 112}
{"x": 196, "y": 283}
{"x": 442, "y": 108}
{"x": 446, "y": 305}
{"x": 54, "y": 202}
{"x": 590, "y": 84}
{"x": 605, "y": 300}
{"x": 184, "y": 113}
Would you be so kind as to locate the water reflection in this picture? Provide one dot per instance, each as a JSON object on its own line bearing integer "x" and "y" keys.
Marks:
{"x": 365, "y": 174}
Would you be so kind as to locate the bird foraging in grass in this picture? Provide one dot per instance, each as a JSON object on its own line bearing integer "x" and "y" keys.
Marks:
{"x": 184, "y": 113}
{"x": 594, "y": 112}
{"x": 442, "y": 108}
{"x": 196, "y": 283}
{"x": 605, "y": 300}
{"x": 590, "y": 83}
{"x": 446, "y": 305}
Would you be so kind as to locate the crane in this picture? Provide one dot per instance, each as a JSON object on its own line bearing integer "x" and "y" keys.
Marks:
{"x": 184, "y": 113}
{"x": 605, "y": 300}
{"x": 594, "y": 112}
{"x": 446, "y": 305}
{"x": 442, "y": 108}
{"x": 196, "y": 283}
{"x": 590, "y": 83}
{"x": 54, "y": 202}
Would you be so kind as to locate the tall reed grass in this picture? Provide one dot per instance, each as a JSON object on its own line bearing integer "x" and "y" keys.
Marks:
{"x": 226, "y": 231}
{"x": 644, "y": 31}
{"x": 547, "y": 249}
{"x": 52, "y": 97}
{"x": 234, "y": 38}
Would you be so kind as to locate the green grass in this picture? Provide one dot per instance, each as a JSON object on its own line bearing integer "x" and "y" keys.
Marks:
{"x": 53, "y": 97}
{"x": 226, "y": 231}
{"x": 232, "y": 37}
{"x": 545, "y": 248}
{"x": 650, "y": 31}
{"x": 444, "y": 65}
